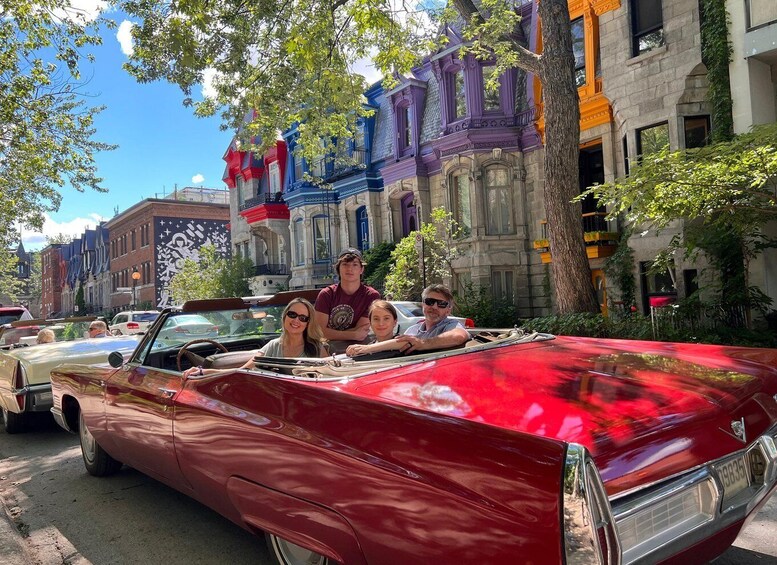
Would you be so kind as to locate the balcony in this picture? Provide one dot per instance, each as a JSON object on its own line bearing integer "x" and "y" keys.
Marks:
{"x": 270, "y": 269}
{"x": 261, "y": 199}
{"x": 599, "y": 241}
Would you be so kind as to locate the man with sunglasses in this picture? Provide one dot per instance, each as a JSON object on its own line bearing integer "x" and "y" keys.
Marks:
{"x": 341, "y": 309}
{"x": 437, "y": 330}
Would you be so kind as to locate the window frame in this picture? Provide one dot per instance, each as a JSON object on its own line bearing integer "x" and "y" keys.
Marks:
{"x": 453, "y": 194}
{"x": 638, "y": 34}
{"x": 325, "y": 237}
{"x": 299, "y": 242}
{"x": 707, "y": 126}
{"x": 640, "y": 131}
{"x": 497, "y": 188}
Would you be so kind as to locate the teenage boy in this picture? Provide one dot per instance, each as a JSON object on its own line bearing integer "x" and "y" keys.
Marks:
{"x": 341, "y": 309}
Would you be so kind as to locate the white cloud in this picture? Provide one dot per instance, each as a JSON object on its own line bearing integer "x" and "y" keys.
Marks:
{"x": 366, "y": 68}
{"x": 208, "y": 89}
{"x": 124, "y": 35}
{"x": 198, "y": 179}
{"x": 75, "y": 228}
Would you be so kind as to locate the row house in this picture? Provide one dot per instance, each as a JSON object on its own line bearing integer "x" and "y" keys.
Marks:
{"x": 440, "y": 139}
{"x": 21, "y": 272}
{"x": 129, "y": 260}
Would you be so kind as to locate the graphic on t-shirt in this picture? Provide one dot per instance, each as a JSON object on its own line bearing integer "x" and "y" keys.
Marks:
{"x": 341, "y": 317}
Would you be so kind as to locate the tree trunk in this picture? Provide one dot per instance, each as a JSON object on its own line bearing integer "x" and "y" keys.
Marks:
{"x": 574, "y": 291}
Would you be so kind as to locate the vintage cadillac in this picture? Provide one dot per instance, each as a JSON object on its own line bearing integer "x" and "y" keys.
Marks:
{"x": 517, "y": 448}
{"x": 25, "y": 382}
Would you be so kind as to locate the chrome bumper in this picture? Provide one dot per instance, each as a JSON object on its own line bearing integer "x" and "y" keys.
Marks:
{"x": 59, "y": 418}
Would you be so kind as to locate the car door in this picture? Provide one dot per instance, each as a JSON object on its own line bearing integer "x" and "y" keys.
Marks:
{"x": 139, "y": 407}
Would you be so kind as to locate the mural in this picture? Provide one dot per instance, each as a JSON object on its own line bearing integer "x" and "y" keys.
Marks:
{"x": 177, "y": 239}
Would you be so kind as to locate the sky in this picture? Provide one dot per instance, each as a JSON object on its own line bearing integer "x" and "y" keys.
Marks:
{"x": 161, "y": 144}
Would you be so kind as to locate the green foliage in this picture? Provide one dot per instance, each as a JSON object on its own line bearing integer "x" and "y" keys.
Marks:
{"x": 213, "y": 276}
{"x": 619, "y": 268}
{"x": 79, "y": 300}
{"x": 476, "y": 302}
{"x": 379, "y": 263}
{"x": 407, "y": 280}
{"x": 716, "y": 54}
{"x": 45, "y": 126}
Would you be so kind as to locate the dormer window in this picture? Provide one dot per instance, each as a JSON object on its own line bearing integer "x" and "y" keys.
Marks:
{"x": 459, "y": 93}
{"x": 407, "y": 127}
{"x": 491, "y": 98}
{"x": 275, "y": 177}
{"x": 407, "y": 102}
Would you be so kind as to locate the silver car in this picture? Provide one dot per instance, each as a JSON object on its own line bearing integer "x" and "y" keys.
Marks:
{"x": 409, "y": 313}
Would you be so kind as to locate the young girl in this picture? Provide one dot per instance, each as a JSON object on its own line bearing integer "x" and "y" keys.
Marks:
{"x": 301, "y": 337}
{"x": 383, "y": 320}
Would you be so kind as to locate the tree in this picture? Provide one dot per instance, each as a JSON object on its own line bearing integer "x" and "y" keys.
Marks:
{"x": 59, "y": 239}
{"x": 287, "y": 62}
{"x": 407, "y": 279}
{"x": 726, "y": 191}
{"x": 45, "y": 127}
{"x": 212, "y": 276}
{"x": 80, "y": 302}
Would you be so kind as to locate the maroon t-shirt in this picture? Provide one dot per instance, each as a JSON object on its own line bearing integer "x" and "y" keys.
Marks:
{"x": 344, "y": 310}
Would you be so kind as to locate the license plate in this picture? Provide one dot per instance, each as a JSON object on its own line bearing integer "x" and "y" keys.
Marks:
{"x": 735, "y": 476}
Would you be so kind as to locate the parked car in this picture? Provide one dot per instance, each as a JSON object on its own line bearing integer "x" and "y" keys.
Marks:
{"x": 410, "y": 313}
{"x": 10, "y": 314}
{"x": 132, "y": 322}
{"x": 518, "y": 448}
{"x": 25, "y": 382}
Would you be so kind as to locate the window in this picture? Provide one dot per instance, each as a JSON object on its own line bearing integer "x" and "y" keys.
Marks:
{"x": 626, "y": 155}
{"x": 460, "y": 201}
{"x": 239, "y": 189}
{"x": 658, "y": 286}
{"x": 299, "y": 243}
{"x": 133, "y": 240}
{"x": 275, "y": 177}
{"x": 362, "y": 229}
{"x": 578, "y": 50}
{"x": 407, "y": 128}
{"x": 459, "y": 94}
{"x": 697, "y": 131}
{"x": 298, "y": 174}
{"x": 498, "y": 201}
{"x": 321, "y": 238}
{"x": 237, "y": 250}
{"x": 502, "y": 285}
{"x": 647, "y": 25}
{"x": 491, "y": 98}
{"x": 652, "y": 139}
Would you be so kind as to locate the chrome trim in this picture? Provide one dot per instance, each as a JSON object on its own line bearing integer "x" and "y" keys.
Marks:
{"x": 60, "y": 419}
{"x": 39, "y": 397}
{"x": 739, "y": 507}
{"x": 586, "y": 510}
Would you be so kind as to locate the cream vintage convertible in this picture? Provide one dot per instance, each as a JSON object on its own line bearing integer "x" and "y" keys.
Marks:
{"x": 25, "y": 380}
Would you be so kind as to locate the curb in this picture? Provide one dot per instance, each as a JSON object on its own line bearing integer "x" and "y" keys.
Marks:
{"x": 12, "y": 547}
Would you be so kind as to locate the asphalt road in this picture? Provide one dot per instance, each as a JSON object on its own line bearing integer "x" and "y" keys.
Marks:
{"x": 69, "y": 517}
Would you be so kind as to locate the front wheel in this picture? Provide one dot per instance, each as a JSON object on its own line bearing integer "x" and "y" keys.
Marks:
{"x": 13, "y": 423}
{"x": 96, "y": 460}
{"x": 286, "y": 553}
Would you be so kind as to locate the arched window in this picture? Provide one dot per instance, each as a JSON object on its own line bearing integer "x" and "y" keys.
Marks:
{"x": 460, "y": 201}
{"x": 499, "y": 204}
{"x": 321, "y": 245}
{"x": 362, "y": 229}
{"x": 299, "y": 243}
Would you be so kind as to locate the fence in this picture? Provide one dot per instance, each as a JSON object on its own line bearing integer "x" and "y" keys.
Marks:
{"x": 674, "y": 318}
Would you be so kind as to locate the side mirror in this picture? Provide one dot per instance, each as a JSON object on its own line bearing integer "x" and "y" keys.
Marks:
{"x": 115, "y": 359}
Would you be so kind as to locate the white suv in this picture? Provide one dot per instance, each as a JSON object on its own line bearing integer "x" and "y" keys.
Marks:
{"x": 128, "y": 323}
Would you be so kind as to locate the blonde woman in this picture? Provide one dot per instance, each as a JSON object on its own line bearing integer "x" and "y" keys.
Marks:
{"x": 301, "y": 337}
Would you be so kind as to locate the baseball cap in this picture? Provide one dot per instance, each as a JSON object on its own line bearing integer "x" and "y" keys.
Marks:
{"x": 350, "y": 251}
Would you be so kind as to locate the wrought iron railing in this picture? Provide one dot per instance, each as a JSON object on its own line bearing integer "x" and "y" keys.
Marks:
{"x": 271, "y": 269}
{"x": 265, "y": 198}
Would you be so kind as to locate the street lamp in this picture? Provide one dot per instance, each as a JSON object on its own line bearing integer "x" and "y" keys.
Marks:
{"x": 135, "y": 278}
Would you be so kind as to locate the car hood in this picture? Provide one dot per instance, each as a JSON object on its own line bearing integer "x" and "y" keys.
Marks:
{"x": 645, "y": 410}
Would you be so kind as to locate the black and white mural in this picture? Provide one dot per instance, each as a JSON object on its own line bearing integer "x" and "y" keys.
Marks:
{"x": 177, "y": 239}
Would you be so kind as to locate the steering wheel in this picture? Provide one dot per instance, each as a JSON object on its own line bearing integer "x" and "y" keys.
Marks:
{"x": 193, "y": 357}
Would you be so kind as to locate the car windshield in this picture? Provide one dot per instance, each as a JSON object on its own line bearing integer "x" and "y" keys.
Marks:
{"x": 63, "y": 331}
{"x": 145, "y": 316}
{"x": 220, "y": 325}
{"x": 410, "y": 309}
{"x": 8, "y": 317}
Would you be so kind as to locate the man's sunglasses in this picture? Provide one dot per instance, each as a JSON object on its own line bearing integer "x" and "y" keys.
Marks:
{"x": 293, "y": 315}
{"x": 437, "y": 301}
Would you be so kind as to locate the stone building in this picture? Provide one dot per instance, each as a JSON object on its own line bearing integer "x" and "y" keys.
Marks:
{"x": 440, "y": 139}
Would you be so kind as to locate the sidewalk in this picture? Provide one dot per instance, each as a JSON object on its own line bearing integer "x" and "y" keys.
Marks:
{"x": 12, "y": 549}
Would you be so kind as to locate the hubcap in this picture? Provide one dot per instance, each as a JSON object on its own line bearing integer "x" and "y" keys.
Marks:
{"x": 87, "y": 439}
{"x": 291, "y": 554}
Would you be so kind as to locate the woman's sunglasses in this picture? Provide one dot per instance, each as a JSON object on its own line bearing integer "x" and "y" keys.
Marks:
{"x": 433, "y": 301}
{"x": 293, "y": 315}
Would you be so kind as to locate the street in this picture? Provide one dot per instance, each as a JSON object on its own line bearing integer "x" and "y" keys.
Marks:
{"x": 70, "y": 517}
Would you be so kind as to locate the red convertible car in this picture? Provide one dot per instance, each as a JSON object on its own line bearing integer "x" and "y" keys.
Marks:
{"x": 517, "y": 448}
